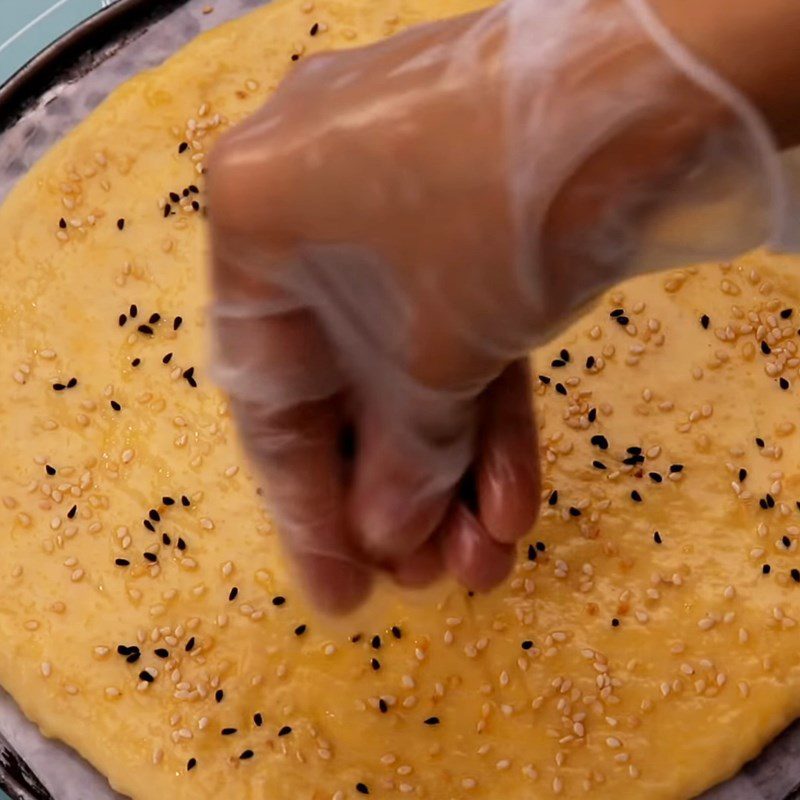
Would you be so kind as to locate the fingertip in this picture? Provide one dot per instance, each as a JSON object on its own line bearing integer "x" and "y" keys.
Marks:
{"x": 421, "y": 568}
{"x": 471, "y": 555}
{"x": 336, "y": 586}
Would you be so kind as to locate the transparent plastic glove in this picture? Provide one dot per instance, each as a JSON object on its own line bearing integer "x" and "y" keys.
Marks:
{"x": 399, "y": 224}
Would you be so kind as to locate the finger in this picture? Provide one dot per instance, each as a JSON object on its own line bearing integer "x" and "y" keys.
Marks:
{"x": 297, "y": 452}
{"x": 508, "y": 477}
{"x": 421, "y": 568}
{"x": 408, "y": 465}
{"x": 274, "y": 360}
{"x": 470, "y": 554}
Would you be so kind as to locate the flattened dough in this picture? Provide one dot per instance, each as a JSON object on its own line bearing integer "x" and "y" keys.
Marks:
{"x": 529, "y": 692}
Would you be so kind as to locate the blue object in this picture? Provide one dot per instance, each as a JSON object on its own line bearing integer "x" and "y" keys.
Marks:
{"x": 28, "y": 26}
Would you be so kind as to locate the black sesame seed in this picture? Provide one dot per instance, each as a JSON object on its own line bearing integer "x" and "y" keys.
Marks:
{"x": 770, "y": 500}
{"x": 133, "y": 657}
{"x": 362, "y": 788}
{"x": 278, "y": 600}
{"x": 258, "y": 719}
{"x": 786, "y": 313}
{"x": 133, "y": 311}
{"x": 784, "y": 384}
{"x": 598, "y": 440}
{"x": 183, "y": 147}
{"x": 154, "y": 515}
{"x": 382, "y": 706}
{"x": 632, "y": 460}
{"x": 676, "y": 467}
{"x": 300, "y": 630}
{"x": 396, "y": 632}
{"x": 759, "y": 441}
{"x": 540, "y": 546}
{"x": 557, "y": 362}
{"x": 765, "y": 348}
{"x": 145, "y": 329}
{"x": 592, "y": 415}
{"x": 432, "y": 721}
{"x": 191, "y": 764}
{"x": 161, "y": 652}
{"x": 176, "y": 323}
{"x": 742, "y": 474}
{"x": 174, "y": 196}
{"x": 355, "y": 638}
{"x": 185, "y": 192}
{"x": 544, "y": 379}
{"x": 167, "y": 210}
{"x": 787, "y": 542}
{"x": 72, "y": 512}
{"x": 527, "y": 644}
{"x": 598, "y": 465}
{"x": 284, "y": 731}
{"x": 314, "y": 29}
{"x": 376, "y": 642}
{"x": 62, "y": 223}
{"x": 154, "y": 318}
{"x": 636, "y": 497}
{"x": 233, "y": 593}
{"x": 655, "y": 477}
{"x": 617, "y": 312}
{"x": 181, "y": 543}
{"x": 145, "y": 676}
{"x": 375, "y": 664}
{"x": 247, "y": 754}
{"x": 136, "y": 362}
{"x": 295, "y": 57}
{"x": 120, "y": 223}
{"x": 122, "y": 562}
{"x": 195, "y": 205}
{"x": 531, "y": 553}
{"x": 59, "y": 387}
{"x": 193, "y": 189}
{"x": 553, "y": 499}
{"x": 124, "y": 650}
{"x": 116, "y": 406}
{"x": 168, "y": 501}
{"x": 622, "y": 321}
{"x": 218, "y": 695}
{"x": 228, "y": 731}
{"x": 72, "y": 383}
{"x": 565, "y": 355}
{"x": 763, "y": 503}
{"x": 574, "y": 512}
{"x": 151, "y": 557}
{"x": 657, "y": 537}
{"x": 167, "y": 358}
{"x": 49, "y": 469}
{"x": 166, "y": 540}
{"x": 148, "y": 525}
{"x": 561, "y": 389}
{"x": 634, "y": 451}
{"x": 122, "y": 319}
{"x": 795, "y": 573}
{"x": 766, "y": 569}
{"x": 190, "y": 645}
{"x": 590, "y": 362}
{"x": 704, "y": 320}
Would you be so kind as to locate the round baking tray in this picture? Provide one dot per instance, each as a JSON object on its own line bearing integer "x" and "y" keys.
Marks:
{"x": 52, "y": 93}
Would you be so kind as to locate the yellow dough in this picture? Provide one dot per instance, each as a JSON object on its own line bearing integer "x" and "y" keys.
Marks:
{"x": 535, "y": 689}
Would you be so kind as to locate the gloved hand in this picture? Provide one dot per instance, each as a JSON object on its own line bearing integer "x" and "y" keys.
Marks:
{"x": 399, "y": 224}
